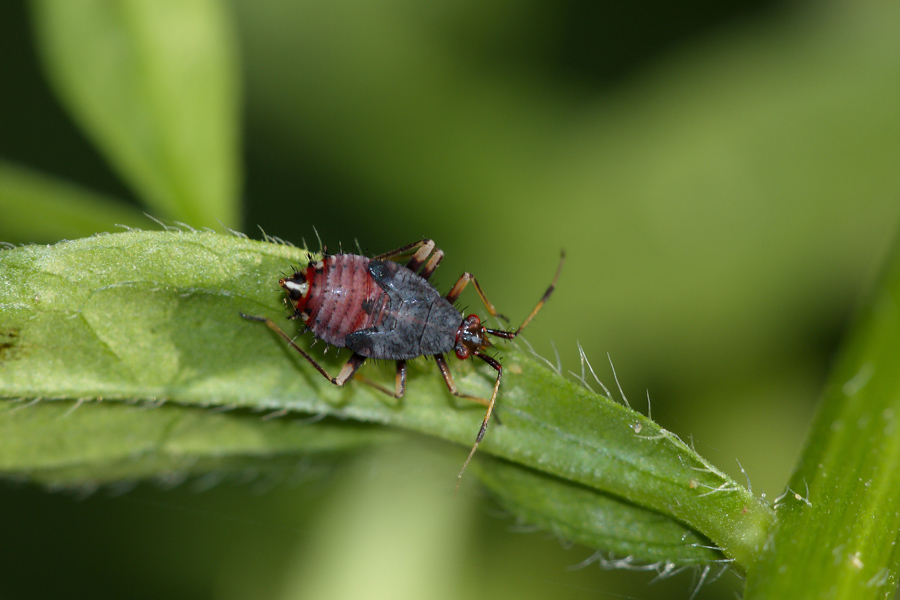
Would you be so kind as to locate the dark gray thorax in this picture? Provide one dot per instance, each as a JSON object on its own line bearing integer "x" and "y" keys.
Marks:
{"x": 417, "y": 321}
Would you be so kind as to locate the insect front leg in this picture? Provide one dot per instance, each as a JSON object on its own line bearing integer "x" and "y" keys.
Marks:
{"x": 461, "y": 284}
{"x": 347, "y": 371}
{"x": 451, "y": 385}
{"x": 457, "y": 289}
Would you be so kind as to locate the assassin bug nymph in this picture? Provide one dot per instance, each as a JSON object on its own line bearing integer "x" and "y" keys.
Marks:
{"x": 381, "y": 309}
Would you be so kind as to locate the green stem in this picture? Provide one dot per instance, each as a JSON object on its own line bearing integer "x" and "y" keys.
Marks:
{"x": 838, "y": 523}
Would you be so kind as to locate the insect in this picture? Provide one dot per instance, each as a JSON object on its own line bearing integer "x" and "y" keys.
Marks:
{"x": 381, "y": 309}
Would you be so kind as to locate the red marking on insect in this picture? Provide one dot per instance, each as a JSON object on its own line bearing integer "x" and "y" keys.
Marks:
{"x": 383, "y": 310}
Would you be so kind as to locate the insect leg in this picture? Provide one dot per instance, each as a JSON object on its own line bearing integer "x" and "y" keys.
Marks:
{"x": 405, "y": 250}
{"x": 346, "y": 372}
{"x": 487, "y": 415}
{"x": 399, "y": 386}
{"x": 461, "y": 284}
{"x": 432, "y": 264}
{"x": 400, "y": 383}
{"x": 418, "y": 259}
{"x": 349, "y": 369}
{"x": 423, "y": 249}
{"x": 511, "y": 334}
{"x": 451, "y": 385}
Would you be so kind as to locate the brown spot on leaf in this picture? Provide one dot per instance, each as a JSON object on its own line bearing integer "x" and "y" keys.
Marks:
{"x": 9, "y": 339}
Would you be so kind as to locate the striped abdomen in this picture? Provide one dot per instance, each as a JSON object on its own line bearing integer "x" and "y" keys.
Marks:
{"x": 336, "y": 297}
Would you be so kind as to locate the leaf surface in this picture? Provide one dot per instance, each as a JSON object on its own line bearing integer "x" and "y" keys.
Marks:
{"x": 154, "y": 316}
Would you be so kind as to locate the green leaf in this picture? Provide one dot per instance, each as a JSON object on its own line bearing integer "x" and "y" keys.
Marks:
{"x": 154, "y": 315}
{"x": 37, "y": 207}
{"x": 154, "y": 83}
{"x": 89, "y": 443}
{"x": 838, "y": 523}
{"x": 579, "y": 514}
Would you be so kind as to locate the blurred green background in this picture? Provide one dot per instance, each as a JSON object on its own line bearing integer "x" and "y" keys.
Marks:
{"x": 722, "y": 175}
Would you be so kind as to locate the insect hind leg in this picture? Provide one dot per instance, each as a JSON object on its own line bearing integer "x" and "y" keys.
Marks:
{"x": 347, "y": 371}
{"x": 423, "y": 249}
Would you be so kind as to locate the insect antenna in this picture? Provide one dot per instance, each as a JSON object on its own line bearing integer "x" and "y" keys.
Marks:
{"x": 508, "y": 335}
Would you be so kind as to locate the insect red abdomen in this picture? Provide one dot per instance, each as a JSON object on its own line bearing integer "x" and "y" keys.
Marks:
{"x": 342, "y": 298}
